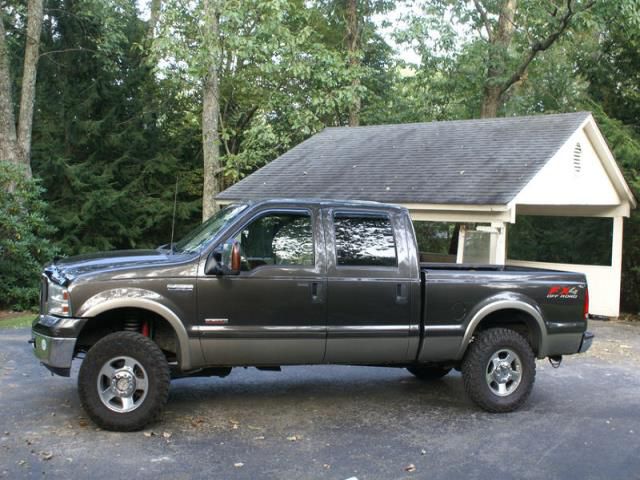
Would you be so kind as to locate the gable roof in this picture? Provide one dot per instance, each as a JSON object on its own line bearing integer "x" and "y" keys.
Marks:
{"x": 476, "y": 162}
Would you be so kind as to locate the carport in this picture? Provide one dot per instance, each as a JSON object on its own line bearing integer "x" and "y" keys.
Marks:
{"x": 482, "y": 175}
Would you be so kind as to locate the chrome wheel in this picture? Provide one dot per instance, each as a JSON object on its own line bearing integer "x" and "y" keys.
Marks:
{"x": 122, "y": 384}
{"x": 504, "y": 372}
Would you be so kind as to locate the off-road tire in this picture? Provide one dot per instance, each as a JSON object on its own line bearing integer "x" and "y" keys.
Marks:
{"x": 475, "y": 364}
{"x": 428, "y": 373}
{"x": 146, "y": 353}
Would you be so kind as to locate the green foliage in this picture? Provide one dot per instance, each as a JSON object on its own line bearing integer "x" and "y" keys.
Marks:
{"x": 22, "y": 321}
{"x": 24, "y": 238}
{"x": 109, "y": 137}
{"x": 582, "y": 241}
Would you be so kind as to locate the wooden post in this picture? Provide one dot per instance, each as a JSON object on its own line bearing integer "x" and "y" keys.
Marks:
{"x": 498, "y": 253}
{"x": 460, "y": 253}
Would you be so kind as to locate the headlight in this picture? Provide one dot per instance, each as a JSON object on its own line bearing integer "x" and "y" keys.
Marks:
{"x": 58, "y": 300}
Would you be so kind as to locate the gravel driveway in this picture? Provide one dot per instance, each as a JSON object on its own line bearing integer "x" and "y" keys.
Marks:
{"x": 582, "y": 421}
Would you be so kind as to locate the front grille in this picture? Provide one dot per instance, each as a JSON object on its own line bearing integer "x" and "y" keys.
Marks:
{"x": 44, "y": 294}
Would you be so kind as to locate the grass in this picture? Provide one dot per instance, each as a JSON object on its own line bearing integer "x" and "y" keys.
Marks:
{"x": 18, "y": 322}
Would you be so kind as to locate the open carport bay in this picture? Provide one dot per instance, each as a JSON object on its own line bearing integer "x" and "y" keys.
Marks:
{"x": 582, "y": 421}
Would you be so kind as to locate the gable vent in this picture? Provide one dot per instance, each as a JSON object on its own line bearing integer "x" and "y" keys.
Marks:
{"x": 577, "y": 158}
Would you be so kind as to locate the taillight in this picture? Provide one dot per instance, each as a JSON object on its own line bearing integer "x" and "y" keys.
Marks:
{"x": 586, "y": 303}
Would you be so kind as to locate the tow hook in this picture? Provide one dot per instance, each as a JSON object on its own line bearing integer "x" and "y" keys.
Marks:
{"x": 555, "y": 361}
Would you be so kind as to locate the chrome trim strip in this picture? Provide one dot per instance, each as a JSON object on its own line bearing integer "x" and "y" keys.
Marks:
{"x": 444, "y": 330}
{"x": 250, "y": 329}
{"x": 180, "y": 287}
{"x": 222, "y": 331}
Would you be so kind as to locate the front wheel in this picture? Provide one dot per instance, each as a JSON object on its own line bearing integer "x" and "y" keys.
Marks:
{"x": 499, "y": 369}
{"x": 124, "y": 381}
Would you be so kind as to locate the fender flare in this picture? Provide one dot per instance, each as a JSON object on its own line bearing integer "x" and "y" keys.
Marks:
{"x": 144, "y": 300}
{"x": 505, "y": 304}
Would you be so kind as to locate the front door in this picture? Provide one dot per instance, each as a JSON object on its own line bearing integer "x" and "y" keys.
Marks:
{"x": 274, "y": 311}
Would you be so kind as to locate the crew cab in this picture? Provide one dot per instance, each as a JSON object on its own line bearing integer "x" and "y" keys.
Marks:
{"x": 289, "y": 282}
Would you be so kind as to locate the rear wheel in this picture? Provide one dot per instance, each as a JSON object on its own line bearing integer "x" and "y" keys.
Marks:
{"x": 429, "y": 372}
{"x": 499, "y": 370}
{"x": 124, "y": 381}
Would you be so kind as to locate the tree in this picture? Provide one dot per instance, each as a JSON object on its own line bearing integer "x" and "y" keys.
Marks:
{"x": 110, "y": 137}
{"x": 505, "y": 35}
{"x": 211, "y": 109}
{"x": 277, "y": 78}
{"x": 24, "y": 238}
{"x": 15, "y": 143}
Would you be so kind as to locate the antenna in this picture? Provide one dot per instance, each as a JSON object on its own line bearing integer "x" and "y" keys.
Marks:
{"x": 173, "y": 220}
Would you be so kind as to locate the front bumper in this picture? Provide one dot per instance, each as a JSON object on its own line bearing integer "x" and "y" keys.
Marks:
{"x": 587, "y": 340}
{"x": 54, "y": 341}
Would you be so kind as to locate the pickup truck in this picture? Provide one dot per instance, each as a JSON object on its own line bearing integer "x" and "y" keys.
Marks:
{"x": 291, "y": 282}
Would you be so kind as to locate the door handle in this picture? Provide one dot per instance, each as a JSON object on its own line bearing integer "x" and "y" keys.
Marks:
{"x": 401, "y": 293}
{"x": 316, "y": 292}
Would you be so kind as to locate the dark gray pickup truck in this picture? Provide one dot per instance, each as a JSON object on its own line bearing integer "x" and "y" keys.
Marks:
{"x": 275, "y": 283}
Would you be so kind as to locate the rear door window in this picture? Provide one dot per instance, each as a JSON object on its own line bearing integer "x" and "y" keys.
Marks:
{"x": 364, "y": 240}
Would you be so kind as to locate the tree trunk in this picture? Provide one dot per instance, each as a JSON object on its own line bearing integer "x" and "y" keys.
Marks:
{"x": 353, "y": 44}
{"x": 210, "y": 116}
{"x": 490, "y": 101}
{"x": 154, "y": 16}
{"x": 28, "y": 94}
{"x": 8, "y": 138}
{"x": 499, "y": 44}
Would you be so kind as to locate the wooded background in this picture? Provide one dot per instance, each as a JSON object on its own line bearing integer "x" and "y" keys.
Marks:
{"x": 107, "y": 102}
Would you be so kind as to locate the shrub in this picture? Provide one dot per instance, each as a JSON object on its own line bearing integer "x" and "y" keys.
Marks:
{"x": 24, "y": 232}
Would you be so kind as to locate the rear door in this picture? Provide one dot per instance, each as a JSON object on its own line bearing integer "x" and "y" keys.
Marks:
{"x": 368, "y": 287}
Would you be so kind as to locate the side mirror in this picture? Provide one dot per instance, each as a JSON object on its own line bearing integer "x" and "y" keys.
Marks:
{"x": 224, "y": 260}
{"x": 235, "y": 258}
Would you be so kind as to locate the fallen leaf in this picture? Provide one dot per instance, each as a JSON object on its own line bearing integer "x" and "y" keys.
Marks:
{"x": 22, "y": 462}
{"x": 294, "y": 438}
{"x": 410, "y": 468}
{"x": 149, "y": 434}
{"x": 83, "y": 423}
{"x": 166, "y": 434}
{"x": 238, "y": 464}
{"x": 46, "y": 455}
{"x": 195, "y": 422}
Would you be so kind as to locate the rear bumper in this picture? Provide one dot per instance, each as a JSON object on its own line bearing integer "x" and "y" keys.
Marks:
{"x": 54, "y": 342}
{"x": 587, "y": 340}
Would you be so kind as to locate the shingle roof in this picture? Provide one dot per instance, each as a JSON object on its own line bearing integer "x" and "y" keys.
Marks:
{"x": 483, "y": 162}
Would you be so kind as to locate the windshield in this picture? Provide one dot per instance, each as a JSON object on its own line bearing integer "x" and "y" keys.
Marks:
{"x": 197, "y": 238}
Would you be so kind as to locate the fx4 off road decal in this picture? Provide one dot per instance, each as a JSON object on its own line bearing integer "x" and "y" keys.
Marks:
{"x": 563, "y": 292}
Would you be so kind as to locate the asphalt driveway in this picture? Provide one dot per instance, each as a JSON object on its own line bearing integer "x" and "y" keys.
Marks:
{"x": 582, "y": 421}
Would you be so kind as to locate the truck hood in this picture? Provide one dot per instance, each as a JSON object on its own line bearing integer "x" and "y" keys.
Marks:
{"x": 66, "y": 269}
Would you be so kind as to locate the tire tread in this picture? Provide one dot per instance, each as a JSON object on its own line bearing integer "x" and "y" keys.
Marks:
{"x": 474, "y": 364}
{"x": 155, "y": 363}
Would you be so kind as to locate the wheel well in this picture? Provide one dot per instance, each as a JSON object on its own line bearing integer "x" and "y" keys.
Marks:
{"x": 516, "y": 320}
{"x": 130, "y": 319}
